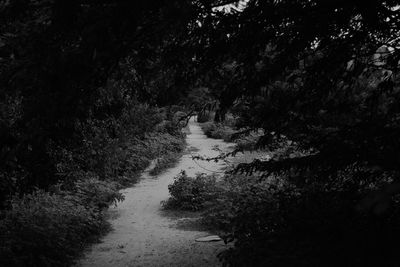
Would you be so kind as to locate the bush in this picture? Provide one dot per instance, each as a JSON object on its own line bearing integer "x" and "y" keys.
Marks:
{"x": 171, "y": 148}
{"x": 217, "y": 131}
{"x": 235, "y": 190}
{"x": 188, "y": 193}
{"x": 43, "y": 229}
{"x": 275, "y": 223}
{"x": 94, "y": 193}
{"x": 52, "y": 228}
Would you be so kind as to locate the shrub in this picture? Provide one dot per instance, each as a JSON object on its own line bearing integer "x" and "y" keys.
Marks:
{"x": 235, "y": 190}
{"x": 191, "y": 193}
{"x": 52, "y": 228}
{"x": 165, "y": 143}
{"x": 171, "y": 148}
{"x": 218, "y": 131}
{"x": 94, "y": 193}
{"x": 276, "y": 223}
{"x": 43, "y": 229}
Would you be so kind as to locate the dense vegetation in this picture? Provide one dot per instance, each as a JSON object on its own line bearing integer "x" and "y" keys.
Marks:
{"x": 50, "y": 228}
{"x": 84, "y": 85}
{"x": 79, "y": 119}
{"x": 321, "y": 79}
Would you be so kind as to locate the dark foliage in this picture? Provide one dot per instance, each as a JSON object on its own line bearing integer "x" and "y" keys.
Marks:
{"x": 69, "y": 69}
{"x": 42, "y": 229}
{"x": 275, "y": 223}
{"x": 80, "y": 81}
{"x": 322, "y": 76}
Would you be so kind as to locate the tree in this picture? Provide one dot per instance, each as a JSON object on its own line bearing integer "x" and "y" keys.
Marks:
{"x": 305, "y": 72}
{"x": 294, "y": 73}
{"x": 58, "y": 59}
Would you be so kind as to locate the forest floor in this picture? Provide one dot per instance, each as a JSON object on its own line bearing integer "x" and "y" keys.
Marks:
{"x": 146, "y": 235}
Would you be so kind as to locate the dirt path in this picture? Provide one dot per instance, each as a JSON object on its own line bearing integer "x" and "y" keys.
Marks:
{"x": 143, "y": 235}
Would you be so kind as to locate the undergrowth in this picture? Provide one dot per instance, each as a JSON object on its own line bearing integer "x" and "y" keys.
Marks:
{"x": 52, "y": 226}
{"x": 44, "y": 229}
{"x": 274, "y": 222}
{"x": 171, "y": 150}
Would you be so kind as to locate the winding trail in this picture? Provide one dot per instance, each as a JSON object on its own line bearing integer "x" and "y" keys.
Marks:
{"x": 145, "y": 235}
